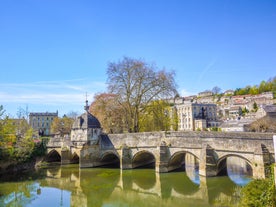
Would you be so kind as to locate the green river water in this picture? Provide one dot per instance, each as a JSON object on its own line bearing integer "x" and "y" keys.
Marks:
{"x": 71, "y": 186}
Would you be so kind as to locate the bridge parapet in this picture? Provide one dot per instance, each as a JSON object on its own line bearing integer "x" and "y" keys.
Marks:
{"x": 177, "y": 138}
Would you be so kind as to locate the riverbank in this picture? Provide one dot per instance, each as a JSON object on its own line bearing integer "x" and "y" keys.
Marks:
{"x": 13, "y": 167}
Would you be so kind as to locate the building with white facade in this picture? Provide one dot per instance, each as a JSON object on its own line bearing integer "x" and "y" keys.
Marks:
{"x": 195, "y": 116}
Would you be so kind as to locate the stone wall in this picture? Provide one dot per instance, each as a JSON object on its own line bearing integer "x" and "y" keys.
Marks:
{"x": 221, "y": 140}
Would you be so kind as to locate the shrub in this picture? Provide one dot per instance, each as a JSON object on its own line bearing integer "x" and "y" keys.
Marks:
{"x": 259, "y": 193}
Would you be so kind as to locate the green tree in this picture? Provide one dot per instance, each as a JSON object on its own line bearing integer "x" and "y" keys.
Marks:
{"x": 24, "y": 147}
{"x": 255, "y": 107}
{"x": 174, "y": 122}
{"x": 263, "y": 87}
{"x": 62, "y": 125}
{"x": 254, "y": 90}
{"x": 244, "y": 111}
{"x": 7, "y": 138}
{"x": 242, "y": 91}
{"x": 156, "y": 117}
{"x": 272, "y": 82}
{"x": 138, "y": 83}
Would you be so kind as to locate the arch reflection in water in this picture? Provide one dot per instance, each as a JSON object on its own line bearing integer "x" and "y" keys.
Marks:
{"x": 184, "y": 161}
{"x": 238, "y": 170}
{"x": 192, "y": 168}
{"x": 72, "y": 186}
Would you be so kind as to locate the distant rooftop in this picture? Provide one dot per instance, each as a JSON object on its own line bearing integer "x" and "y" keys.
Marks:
{"x": 44, "y": 114}
{"x": 269, "y": 108}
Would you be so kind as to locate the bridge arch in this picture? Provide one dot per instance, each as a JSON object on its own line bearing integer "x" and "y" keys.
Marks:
{"x": 75, "y": 158}
{"x": 234, "y": 161}
{"x": 179, "y": 159}
{"x": 53, "y": 156}
{"x": 110, "y": 158}
{"x": 143, "y": 158}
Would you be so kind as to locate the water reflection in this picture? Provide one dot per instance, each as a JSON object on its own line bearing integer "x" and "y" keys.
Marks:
{"x": 192, "y": 168}
{"x": 70, "y": 186}
{"x": 238, "y": 170}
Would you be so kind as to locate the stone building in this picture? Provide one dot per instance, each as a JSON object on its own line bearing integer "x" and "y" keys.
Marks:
{"x": 86, "y": 128}
{"x": 235, "y": 125}
{"x": 235, "y": 111}
{"x": 41, "y": 122}
{"x": 205, "y": 93}
{"x": 266, "y": 110}
{"x": 229, "y": 93}
{"x": 194, "y": 116}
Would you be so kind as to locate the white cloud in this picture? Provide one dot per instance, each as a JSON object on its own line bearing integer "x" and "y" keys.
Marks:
{"x": 50, "y": 92}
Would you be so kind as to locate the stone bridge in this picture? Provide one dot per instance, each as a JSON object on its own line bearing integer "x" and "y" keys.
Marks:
{"x": 168, "y": 151}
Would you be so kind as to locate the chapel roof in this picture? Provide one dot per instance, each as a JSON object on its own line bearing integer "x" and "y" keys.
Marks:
{"x": 86, "y": 120}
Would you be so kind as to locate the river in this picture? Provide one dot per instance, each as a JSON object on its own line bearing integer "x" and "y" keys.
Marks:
{"x": 92, "y": 187}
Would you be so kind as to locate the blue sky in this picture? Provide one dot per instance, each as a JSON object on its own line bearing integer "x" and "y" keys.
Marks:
{"x": 54, "y": 51}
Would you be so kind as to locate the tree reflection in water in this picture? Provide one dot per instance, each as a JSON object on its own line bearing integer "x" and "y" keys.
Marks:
{"x": 71, "y": 186}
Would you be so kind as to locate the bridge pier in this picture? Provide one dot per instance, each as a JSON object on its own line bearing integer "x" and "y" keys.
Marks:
{"x": 207, "y": 165}
{"x": 262, "y": 162}
{"x": 162, "y": 161}
{"x": 65, "y": 156}
{"x": 89, "y": 156}
{"x": 125, "y": 159}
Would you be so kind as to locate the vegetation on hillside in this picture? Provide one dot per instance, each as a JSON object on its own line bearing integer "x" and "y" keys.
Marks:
{"x": 264, "y": 86}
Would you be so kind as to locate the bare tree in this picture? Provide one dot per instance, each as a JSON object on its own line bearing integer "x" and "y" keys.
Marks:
{"x": 264, "y": 124}
{"x": 137, "y": 84}
{"x": 216, "y": 90}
